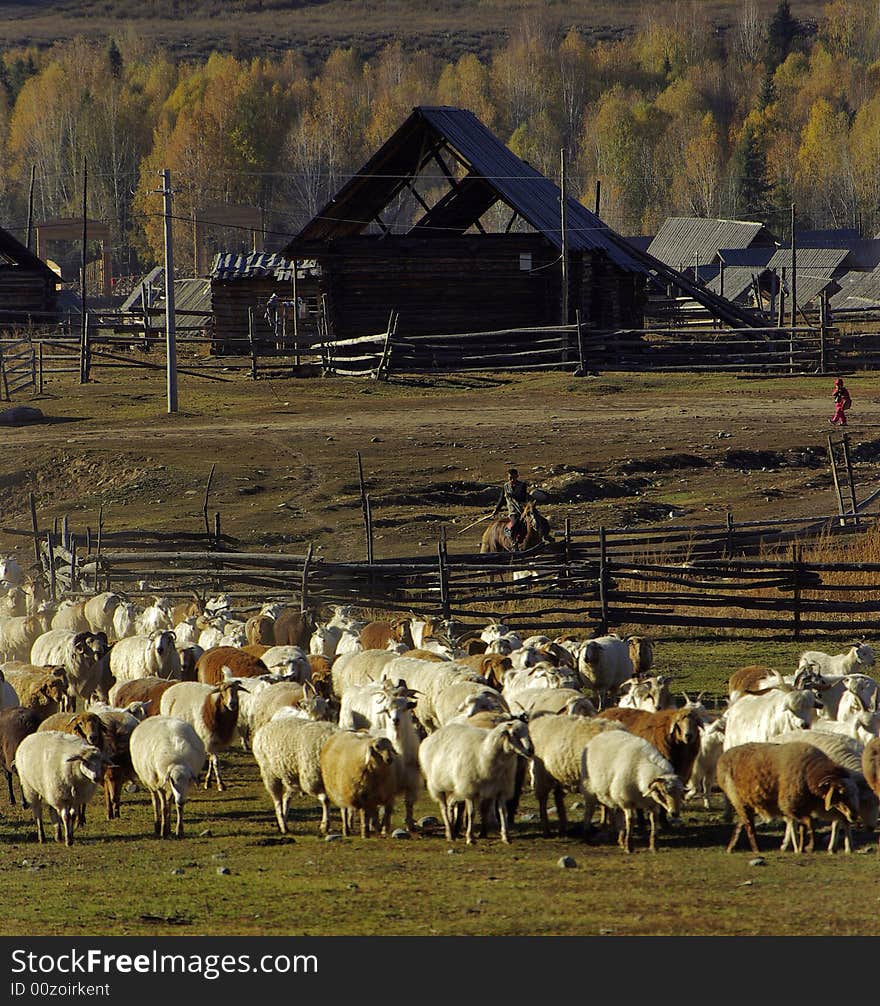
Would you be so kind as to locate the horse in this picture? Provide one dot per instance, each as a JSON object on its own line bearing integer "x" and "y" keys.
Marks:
{"x": 497, "y": 536}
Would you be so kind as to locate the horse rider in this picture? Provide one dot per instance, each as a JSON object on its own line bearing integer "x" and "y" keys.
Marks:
{"x": 514, "y": 496}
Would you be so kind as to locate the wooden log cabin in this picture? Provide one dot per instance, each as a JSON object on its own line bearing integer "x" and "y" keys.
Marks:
{"x": 28, "y": 287}
{"x": 447, "y": 226}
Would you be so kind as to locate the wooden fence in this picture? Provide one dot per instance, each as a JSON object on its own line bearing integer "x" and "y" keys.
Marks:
{"x": 714, "y": 577}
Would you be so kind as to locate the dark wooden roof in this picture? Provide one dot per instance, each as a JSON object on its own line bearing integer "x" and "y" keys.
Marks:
{"x": 14, "y": 253}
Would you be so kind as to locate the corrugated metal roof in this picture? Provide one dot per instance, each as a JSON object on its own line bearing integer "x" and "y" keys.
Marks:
{"x": 753, "y": 258}
{"x": 738, "y": 282}
{"x": 808, "y": 258}
{"x": 682, "y": 240}
{"x": 14, "y": 253}
{"x": 858, "y": 289}
{"x": 231, "y": 265}
{"x": 835, "y": 237}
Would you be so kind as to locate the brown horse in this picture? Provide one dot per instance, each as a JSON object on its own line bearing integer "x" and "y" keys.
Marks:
{"x": 532, "y": 529}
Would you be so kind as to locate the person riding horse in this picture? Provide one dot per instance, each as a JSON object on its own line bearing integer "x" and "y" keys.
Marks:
{"x": 514, "y": 495}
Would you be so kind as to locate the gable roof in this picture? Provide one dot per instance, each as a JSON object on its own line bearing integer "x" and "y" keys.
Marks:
{"x": 493, "y": 173}
{"x": 858, "y": 289}
{"x": 13, "y": 253}
{"x": 682, "y": 240}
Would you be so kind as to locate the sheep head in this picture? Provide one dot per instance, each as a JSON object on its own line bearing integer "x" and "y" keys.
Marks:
{"x": 841, "y": 795}
{"x": 515, "y": 737}
{"x": 667, "y": 791}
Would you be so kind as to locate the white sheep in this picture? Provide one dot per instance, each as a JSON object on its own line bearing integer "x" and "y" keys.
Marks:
{"x": 626, "y": 774}
{"x": 212, "y": 711}
{"x": 125, "y": 620}
{"x": 146, "y": 656}
{"x": 62, "y": 772}
{"x": 358, "y": 668}
{"x": 462, "y": 698}
{"x": 565, "y": 701}
{"x": 856, "y": 657}
{"x": 758, "y": 718}
{"x": 8, "y": 695}
{"x": 288, "y": 752}
{"x": 291, "y": 661}
{"x": 400, "y": 728}
{"x": 467, "y": 764}
{"x": 79, "y": 653}
{"x": 704, "y": 771}
{"x": 156, "y": 616}
{"x": 99, "y": 611}
{"x": 428, "y": 678}
{"x": 559, "y": 743}
{"x": 605, "y": 663}
{"x": 70, "y": 616}
{"x": 167, "y": 756}
{"x": 18, "y": 634}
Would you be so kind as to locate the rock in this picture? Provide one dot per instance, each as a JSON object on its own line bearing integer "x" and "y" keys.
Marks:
{"x": 130, "y": 787}
{"x": 758, "y": 861}
{"x": 223, "y": 871}
{"x": 566, "y": 862}
{"x": 21, "y": 415}
{"x": 334, "y": 836}
{"x": 375, "y": 440}
{"x": 219, "y": 855}
{"x": 177, "y": 872}
{"x": 205, "y": 834}
{"x": 452, "y": 852}
{"x": 400, "y": 833}
{"x": 427, "y": 822}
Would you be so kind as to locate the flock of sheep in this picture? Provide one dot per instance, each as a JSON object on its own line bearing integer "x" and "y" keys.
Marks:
{"x": 97, "y": 693}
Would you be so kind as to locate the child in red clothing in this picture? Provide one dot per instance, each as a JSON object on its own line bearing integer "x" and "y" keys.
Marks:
{"x": 842, "y": 402}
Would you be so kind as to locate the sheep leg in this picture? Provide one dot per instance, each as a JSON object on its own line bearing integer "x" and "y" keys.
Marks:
{"x": 410, "y": 819}
{"x": 276, "y": 791}
{"x": 444, "y": 813}
{"x": 589, "y": 810}
{"x": 221, "y": 785}
{"x": 344, "y": 811}
{"x": 365, "y": 823}
{"x": 559, "y": 799}
{"x": 9, "y": 785}
{"x": 178, "y": 822}
{"x": 627, "y": 829}
{"x": 734, "y": 838}
{"x": 67, "y": 821}
{"x": 502, "y": 816}
{"x": 750, "y": 831}
{"x": 386, "y": 823}
{"x": 38, "y": 819}
{"x": 832, "y": 838}
{"x": 470, "y": 814}
{"x": 157, "y": 814}
{"x": 652, "y": 839}
{"x": 325, "y": 814}
{"x": 56, "y": 821}
{"x": 208, "y": 773}
{"x": 811, "y": 835}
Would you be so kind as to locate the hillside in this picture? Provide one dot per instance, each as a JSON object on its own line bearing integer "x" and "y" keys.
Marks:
{"x": 249, "y": 27}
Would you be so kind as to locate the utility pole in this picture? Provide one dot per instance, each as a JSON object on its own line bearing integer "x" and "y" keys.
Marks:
{"x": 562, "y": 221}
{"x": 170, "y": 339}
{"x": 30, "y": 222}
{"x": 793, "y": 285}
{"x": 84, "y": 325}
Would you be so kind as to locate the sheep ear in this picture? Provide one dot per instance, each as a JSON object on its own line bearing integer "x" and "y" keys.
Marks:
{"x": 73, "y": 758}
{"x": 829, "y": 797}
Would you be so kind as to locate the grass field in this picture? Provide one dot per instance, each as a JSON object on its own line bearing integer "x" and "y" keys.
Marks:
{"x": 434, "y": 453}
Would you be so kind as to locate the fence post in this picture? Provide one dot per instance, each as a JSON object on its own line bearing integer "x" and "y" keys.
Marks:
{"x": 304, "y": 587}
{"x": 729, "y": 534}
{"x": 823, "y": 329}
{"x": 444, "y": 573}
{"x": 40, "y": 368}
{"x": 217, "y": 527}
{"x": 98, "y": 548}
{"x": 568, "y": 548}
{"x": 368, "y": 513}
{"x": 72, "y": 548}
{"x": 65, "y": 533}
{"x": 796, "y": 580}
{"x": 34, "y": 528}
{"x": 51, "y": 560}
{"x": 580, "y": 339}
{"x": 252, "y": 344}
{"x": 603, "y": 581}
{"x": 382, "y": 369}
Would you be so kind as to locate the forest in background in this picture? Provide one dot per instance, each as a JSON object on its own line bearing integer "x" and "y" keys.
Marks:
{"x": 674, "y": 118}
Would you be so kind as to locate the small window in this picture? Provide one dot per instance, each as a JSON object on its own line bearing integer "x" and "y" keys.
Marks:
{"x": 525, "y": 262}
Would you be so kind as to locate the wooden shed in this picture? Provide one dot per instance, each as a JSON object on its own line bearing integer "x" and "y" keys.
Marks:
{"x": 240, "y": 283}
{"x": 447, "y": 226}
{"x": 28, "y": 287}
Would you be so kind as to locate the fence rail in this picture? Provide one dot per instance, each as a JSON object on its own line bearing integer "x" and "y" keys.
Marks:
{"x": 598, "y": 578}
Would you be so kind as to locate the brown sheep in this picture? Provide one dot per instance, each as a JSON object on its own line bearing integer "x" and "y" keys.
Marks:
{"x": 293, "y": 627}
{"x": 674, "y": 732}
{"x": 255, "y": 649}
{"x": 794, "y": 781}
{"x": 186, "y": 609}
{"x": 475, "y": 646}
{"x": 19, "y": 722}
{"x": 641, "y": 653}
{"x": 147, "y": 690}
{"x": 209, "y": 668}
{"x": 745, "y": 680}
{"x": 377, "y": 635}
{"x": 28, "y": 681}
{"x": 320, "y": 667}
{"x": 871, "y": 766}
{"x": 260, "y": 629}
{"x": 360, "y": 774}
{"x": 425, "y": 655}
{"x": 212, "y": 711}
{"x": 490, "y": 666}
